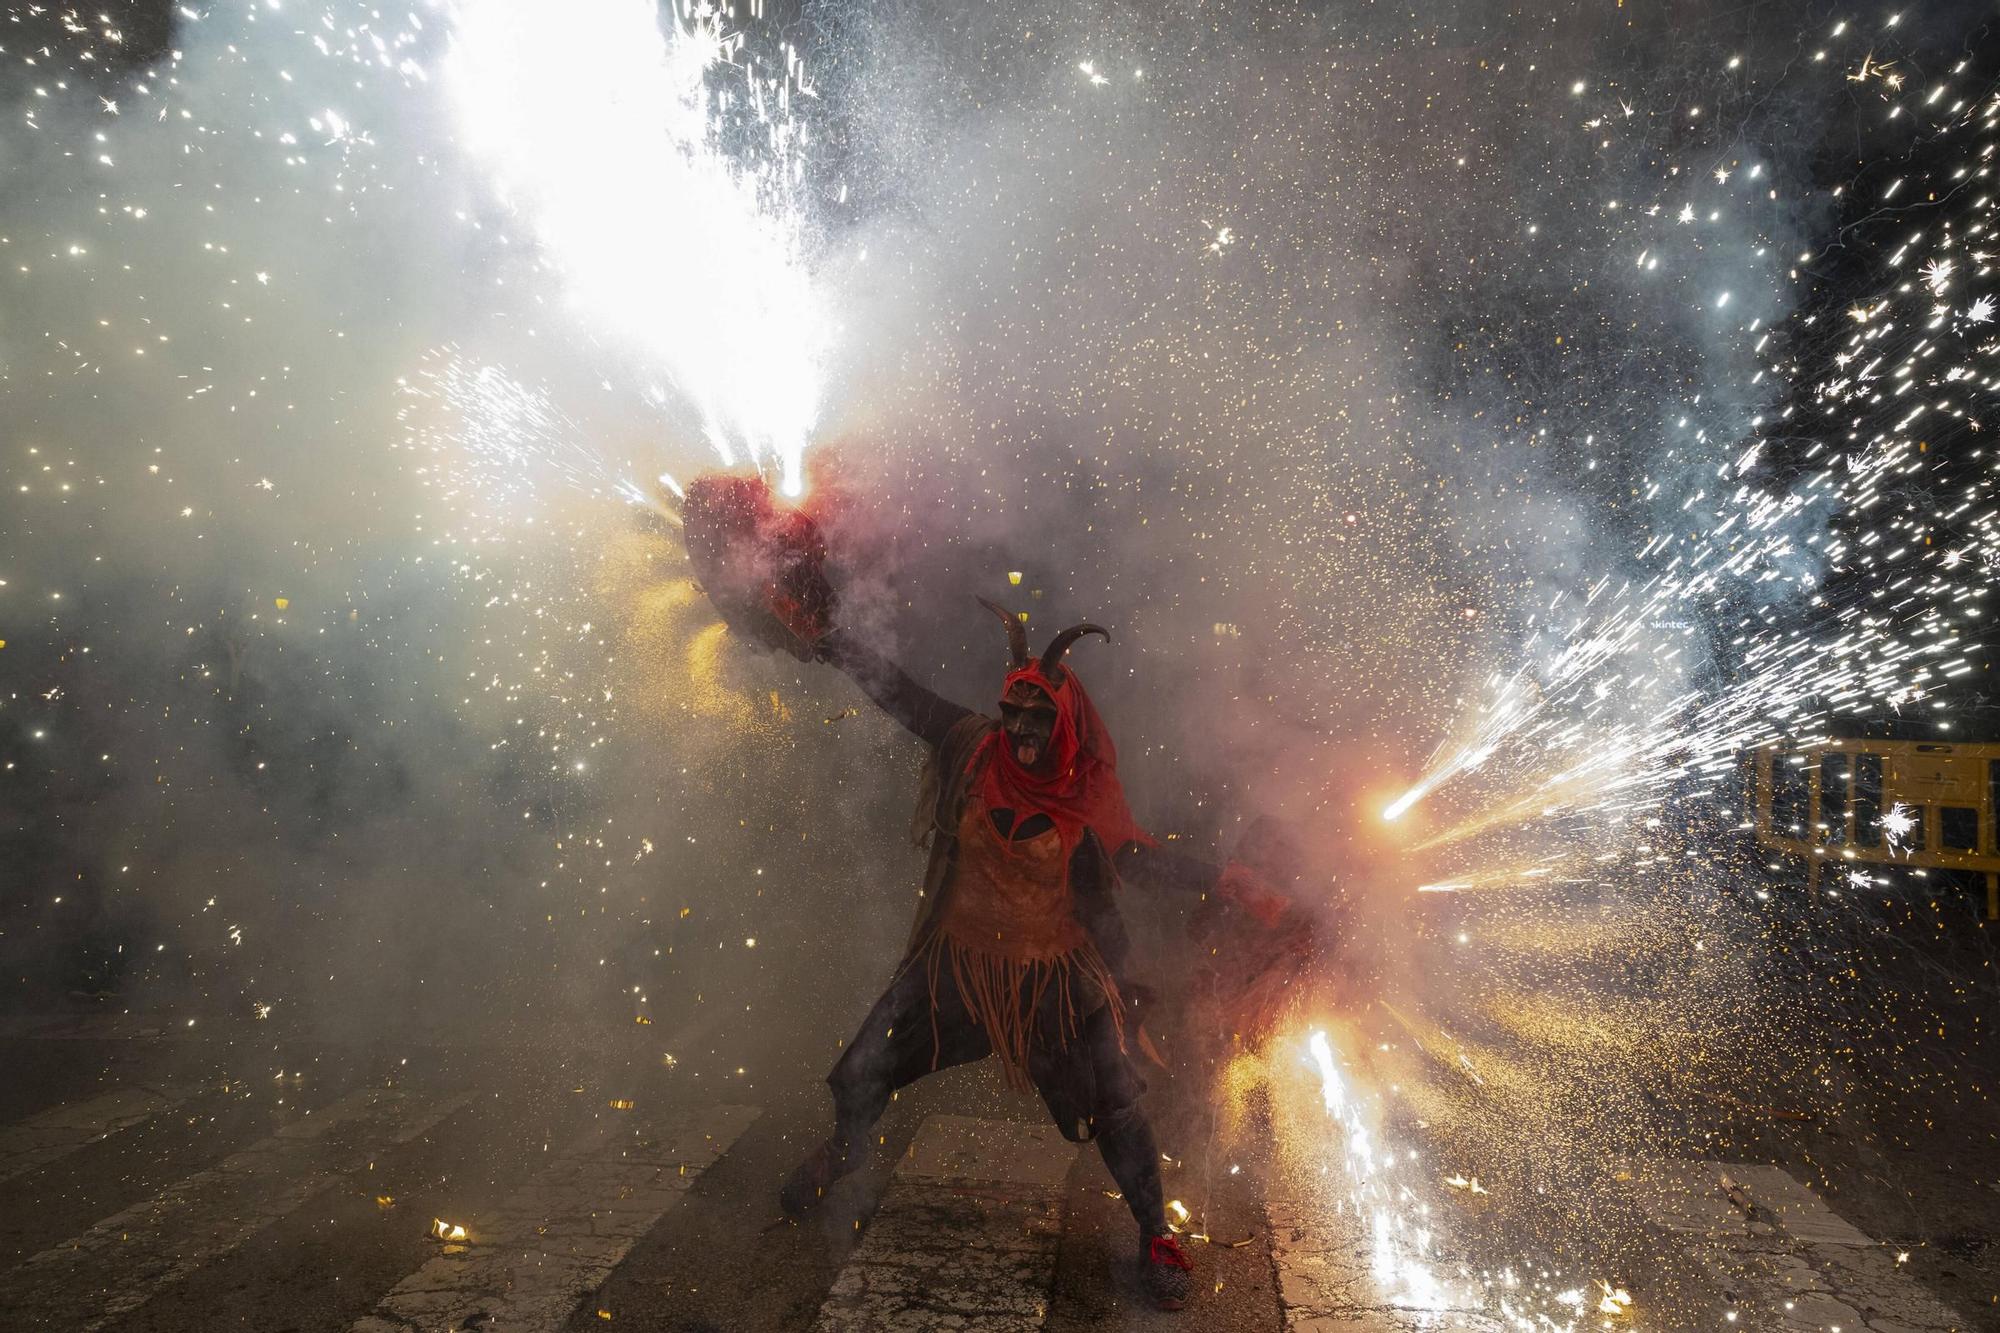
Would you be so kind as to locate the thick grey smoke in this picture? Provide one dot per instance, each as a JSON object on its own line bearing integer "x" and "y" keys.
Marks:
{"x": 1311, "y": 351}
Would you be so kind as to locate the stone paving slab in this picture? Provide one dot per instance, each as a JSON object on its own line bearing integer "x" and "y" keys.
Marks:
{"x": 957, "y": 1147}
{"x": 558, "y": 1237}
{"x": 119, "y": 1263}
{"x": 1790, "y": 1263}
{"x": 1793, "y": 1289}
{"x": 965, "y": 1238}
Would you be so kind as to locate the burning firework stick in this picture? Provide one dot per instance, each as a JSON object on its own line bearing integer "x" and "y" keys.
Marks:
{"x": 761, "y": 562}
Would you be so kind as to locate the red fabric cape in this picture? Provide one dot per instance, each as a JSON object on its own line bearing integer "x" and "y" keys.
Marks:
{"x": 1081, "y": 789}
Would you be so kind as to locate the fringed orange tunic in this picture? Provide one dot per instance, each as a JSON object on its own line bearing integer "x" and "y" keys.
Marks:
{"x": 1010, "y": 934}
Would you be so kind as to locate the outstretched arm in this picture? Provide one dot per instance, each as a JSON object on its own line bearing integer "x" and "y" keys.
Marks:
{"x": 925, "y": 713}
{"x": 1160, "y": 868}
{"x": 1189, "y": 877}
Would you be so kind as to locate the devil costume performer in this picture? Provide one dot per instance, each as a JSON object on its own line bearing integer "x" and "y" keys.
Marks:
{"x": 1017, "y": 947}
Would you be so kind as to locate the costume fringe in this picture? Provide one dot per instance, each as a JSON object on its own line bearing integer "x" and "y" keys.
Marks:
{"x": 1004, "y": 997}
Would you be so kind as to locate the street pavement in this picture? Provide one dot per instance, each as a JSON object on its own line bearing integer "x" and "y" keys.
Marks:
{"x": 153, "y": 1180}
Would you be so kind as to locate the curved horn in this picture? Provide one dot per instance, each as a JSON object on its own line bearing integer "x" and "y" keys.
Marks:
{"x": 1017, "y": 634}
{"x": 1052, "y": 656}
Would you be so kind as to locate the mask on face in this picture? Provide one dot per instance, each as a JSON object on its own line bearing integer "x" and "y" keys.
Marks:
{"x": 1030, "y": 713}
{"x": 1047, "y": 716}
{"x": 1028, "y": 716}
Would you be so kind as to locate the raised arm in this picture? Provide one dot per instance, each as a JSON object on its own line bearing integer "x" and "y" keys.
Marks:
{"x": 925, "y": 713}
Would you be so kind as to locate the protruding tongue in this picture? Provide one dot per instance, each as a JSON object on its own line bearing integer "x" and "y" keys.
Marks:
{"x": 1027, "y": 754}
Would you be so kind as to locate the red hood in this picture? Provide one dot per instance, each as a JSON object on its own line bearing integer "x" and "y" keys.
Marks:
{"x": 1080, "y": 789}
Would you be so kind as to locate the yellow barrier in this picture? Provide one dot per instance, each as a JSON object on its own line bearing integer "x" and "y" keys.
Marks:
{"x": 1905, "y": 803}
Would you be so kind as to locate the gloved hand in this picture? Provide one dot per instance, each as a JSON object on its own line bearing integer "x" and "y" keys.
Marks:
{"x": 761, "y": 562}
{"x": 1257, "y": 954}
{"x": 1245, "y": 888}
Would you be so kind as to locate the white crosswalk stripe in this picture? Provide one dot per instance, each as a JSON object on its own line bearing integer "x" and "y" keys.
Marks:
{"x": 1326, "y": 1284}
{"x": 60, "y": 1131}
{"x": 118, "y": 1264}
{"x": 559, "y": 1237}
{"x": 965, "y": 1237}
{"x": 1795, "y": 1264}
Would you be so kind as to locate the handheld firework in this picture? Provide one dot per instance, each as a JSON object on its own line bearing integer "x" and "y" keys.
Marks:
{"x": 1257, "y": 952}
{"x": 761, "y": 562}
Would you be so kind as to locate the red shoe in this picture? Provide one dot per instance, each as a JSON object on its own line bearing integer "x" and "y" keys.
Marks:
{"x": 1165, "y": 1271}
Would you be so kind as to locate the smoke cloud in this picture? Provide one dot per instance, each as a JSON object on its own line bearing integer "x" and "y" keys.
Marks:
{"x": 1316, "y": 352}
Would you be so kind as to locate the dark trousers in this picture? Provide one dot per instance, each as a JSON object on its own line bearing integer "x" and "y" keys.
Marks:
{"x": 1084, "y": 1076}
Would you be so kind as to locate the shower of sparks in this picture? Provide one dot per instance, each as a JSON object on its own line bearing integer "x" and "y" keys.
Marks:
{"x": 1724, "y": 635}
{"x": 605, "y": 134}
{"x": 1387, "y": 1189}
{"x": 1824, "y": 562}
{"x": 1497, "y": 878}
{"x": 498, "y": 448}
{"x": 1400, "y": 1257}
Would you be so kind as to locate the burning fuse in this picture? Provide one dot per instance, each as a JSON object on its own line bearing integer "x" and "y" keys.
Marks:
{"x": 447, "y": 1231}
